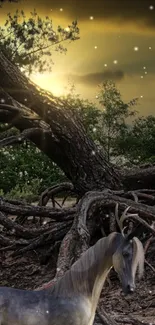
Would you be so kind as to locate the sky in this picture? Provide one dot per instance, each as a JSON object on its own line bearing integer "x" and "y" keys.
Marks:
{"x": 117, "y": 42}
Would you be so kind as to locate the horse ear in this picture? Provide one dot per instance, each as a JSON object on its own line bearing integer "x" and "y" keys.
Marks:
{"x": 137, "y": 231}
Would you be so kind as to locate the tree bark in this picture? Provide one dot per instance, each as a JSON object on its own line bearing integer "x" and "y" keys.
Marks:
{"x": 66, "y": 143}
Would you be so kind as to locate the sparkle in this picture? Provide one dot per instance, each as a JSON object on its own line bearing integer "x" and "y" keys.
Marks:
{"x": 142, "y": 77}
{"x": 151, "y": 7}
{"x": 105, "y": 65}
{"x": 141, "y": 96}
{"x": 67, "y": 29}
{"x": 91, "y": 17}
{"x": 150, "y": 48}
{"x": 145, "y": 72}
{"x": 47, "y": 311}
{"x": 136, "y": 48}
{"x": 95, "y": 47}
{"x": 115, "y": 61}
{"x": 2, "y": 100}
{"x": 96, "y": 96}
{"x": 93, "y": 153}
{"x": 61, "y": 9}
{"x": 25, "y": 26}
{"x": 25, "y": 99}
{"x": 94, "y": 129}
{"x": 144, "y": 68}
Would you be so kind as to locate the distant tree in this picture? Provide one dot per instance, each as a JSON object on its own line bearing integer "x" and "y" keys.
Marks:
{"x": 137, "y": 143}
{"x": 113, "y": 119}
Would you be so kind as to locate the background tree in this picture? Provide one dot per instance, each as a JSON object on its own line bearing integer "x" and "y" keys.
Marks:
{"x": 114, "y": 117}
{"x": 137, "y": 142}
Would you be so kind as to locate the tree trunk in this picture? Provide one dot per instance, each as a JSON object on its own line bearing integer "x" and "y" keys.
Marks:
{"x": 66, "y": 142}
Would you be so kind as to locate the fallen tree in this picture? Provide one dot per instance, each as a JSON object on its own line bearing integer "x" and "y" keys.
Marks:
{"x": 96, "y": 184}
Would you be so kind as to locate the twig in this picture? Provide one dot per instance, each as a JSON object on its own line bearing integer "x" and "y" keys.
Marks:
{"x": 150, "y": 266}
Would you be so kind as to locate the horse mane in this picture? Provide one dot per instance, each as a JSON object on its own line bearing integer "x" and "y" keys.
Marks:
{"x": 82, "y": 273}
{"x": 138, "y": 258}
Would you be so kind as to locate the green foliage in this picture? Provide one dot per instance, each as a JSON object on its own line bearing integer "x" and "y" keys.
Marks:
{"x": 137, "y": 143}
{"x": 29, "y": 42}
{"x": 105, "y": 123}
{"x": 24, "y": 170}
{"x": 114, "y": 116}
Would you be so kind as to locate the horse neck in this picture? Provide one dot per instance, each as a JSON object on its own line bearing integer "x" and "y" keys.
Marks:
{"x": 87, "y": 276}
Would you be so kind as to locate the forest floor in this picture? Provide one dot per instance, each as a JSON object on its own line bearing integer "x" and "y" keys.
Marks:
{"x": 26, "y": 272}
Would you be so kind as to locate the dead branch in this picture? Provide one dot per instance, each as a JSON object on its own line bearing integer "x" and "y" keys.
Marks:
{"x": 21, "y": 137}
{"x": 138, "y": 178}
{"x": 50, "y": 236}
{"x": 149, "y": 265}
{"x": 20, "y": 230}
{"x": 52, "y": 191}
{"x": 31, "y": 210}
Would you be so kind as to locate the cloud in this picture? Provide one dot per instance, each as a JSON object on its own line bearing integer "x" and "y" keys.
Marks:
{"x": 127, "y": 11}
{"x": 96, "y": 78}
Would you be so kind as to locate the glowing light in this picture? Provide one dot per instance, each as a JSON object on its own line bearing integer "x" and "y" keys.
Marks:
{"x": 61, "y": 9}
{"x": 105, "y": 65}
{"x": 96, "y": 96}
{"x": 91, "y": 17}
{"x": 94, "y": 129}
{"x": 144, "y": 68}
{"x": 142, "y": 77}
{"x": 115, "y": 61}
{"x": 2, "y": 100}
{"x": 145, "y": 72}
{"x": 150, "y": 48}
{"x": 151, "y": 7}
{"x": 141, "y": 96}
{"x": 136, "y": 48}
{"x": 93, "y": 153}
{"x": 95, "y": 47}
{"x": 67, "y": 29}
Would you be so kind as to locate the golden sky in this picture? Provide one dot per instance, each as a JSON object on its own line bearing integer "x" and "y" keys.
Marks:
{"x": 117, "y": 41}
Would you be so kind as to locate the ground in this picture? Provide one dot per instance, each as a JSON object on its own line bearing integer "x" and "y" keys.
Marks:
{"x": 27, "y": 272}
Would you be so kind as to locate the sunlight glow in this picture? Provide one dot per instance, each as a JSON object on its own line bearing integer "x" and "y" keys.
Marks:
{"x": 50, "y": 82}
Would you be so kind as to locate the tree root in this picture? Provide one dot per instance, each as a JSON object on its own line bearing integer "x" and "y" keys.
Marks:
{"x": 50, "y": 192}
